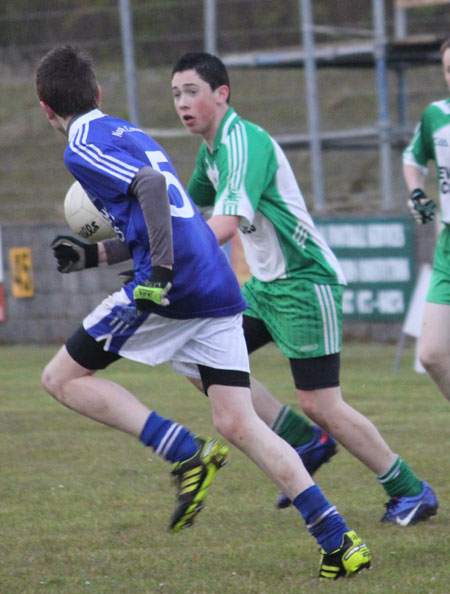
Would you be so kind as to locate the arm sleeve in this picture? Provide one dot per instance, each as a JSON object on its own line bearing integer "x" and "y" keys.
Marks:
{"x": 116, "y": 251}
{"x": 149, "y": 187}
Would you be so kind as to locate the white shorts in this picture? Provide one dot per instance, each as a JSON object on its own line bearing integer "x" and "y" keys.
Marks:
{"x": 218, "y": 343}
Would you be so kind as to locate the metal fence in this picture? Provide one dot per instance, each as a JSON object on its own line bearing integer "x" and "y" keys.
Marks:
{"x": 34, "y": 180}
{"x": 131, "y": 39}
{"x": 133, "y": 55}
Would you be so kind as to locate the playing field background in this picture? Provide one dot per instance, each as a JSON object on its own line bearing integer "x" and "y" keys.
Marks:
{"x": 84, "y": 508}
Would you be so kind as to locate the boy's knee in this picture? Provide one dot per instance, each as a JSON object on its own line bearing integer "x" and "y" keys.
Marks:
{"x": 430, "y": 358}
{"x": 307, "y": 403}
{"x": 225, "y": 426}
{"x": 50, "y": 383}
{"x": 231, "y": 427}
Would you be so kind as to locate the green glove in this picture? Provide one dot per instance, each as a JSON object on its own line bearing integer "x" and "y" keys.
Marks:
{"x": 154, "y": 291}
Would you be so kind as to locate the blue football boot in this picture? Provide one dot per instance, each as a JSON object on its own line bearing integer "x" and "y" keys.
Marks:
{"x": 313, "y": 454}
{"x": 410, "y": 510}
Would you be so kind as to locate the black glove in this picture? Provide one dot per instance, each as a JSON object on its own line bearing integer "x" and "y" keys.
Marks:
{"x": 73, "y": 254}
{"x": 126, "y": 276}
{"x": 422, "y": 208}
{"x": 154, "y": 291}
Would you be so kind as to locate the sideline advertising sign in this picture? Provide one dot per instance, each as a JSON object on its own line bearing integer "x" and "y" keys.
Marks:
{"x": 378, "y": 259}
{"x": 21, "y": 272}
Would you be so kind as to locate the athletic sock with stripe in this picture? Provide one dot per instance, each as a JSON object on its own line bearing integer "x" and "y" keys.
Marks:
{"x": 322, "y": 519}
{"x": 400, "y": 481}
{"x": 171, "y": 441}
{"x": 293, "y": 428}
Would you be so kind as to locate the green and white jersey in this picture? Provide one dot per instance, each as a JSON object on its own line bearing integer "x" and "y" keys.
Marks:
{"x": 431, "y": 141}
{"x": 249, "y": 176}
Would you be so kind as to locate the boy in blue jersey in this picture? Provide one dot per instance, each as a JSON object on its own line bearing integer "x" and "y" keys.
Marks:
{"x": 295, "y": 292}
{"x": 183, "y": 306}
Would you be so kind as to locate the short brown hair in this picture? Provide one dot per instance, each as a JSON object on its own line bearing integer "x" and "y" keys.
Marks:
{"x": 65, "y": 81}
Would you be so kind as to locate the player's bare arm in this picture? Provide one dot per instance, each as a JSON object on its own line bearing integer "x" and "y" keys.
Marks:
{"x": 414, "y": 177}
{"x": 421, "y": 207}
{"x": 224, "y": 227}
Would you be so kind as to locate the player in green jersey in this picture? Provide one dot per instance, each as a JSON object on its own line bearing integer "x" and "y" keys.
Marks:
{"x": 431, "y": 142}
{"x": 295, "y": 292}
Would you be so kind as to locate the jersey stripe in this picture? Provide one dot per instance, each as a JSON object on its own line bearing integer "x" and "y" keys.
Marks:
{"x": 333, "y": 319}
{"x": 110, "y": 158}
{"x": 329, "y": 318}
{"x": 237, "y": 159}
{"x": 227, "y": 126}
{"x": 241, "y": 135}
{"x": 95, "y": 157}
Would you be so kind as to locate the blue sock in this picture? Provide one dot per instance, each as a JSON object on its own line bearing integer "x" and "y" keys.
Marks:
{"x": 171, "y": 441}
{"x": 322, "y": 519}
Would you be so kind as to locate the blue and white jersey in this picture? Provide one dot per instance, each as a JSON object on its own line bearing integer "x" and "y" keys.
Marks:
{"x": 104, "y": 154}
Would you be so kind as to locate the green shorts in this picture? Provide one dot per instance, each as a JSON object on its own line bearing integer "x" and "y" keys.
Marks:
{"x": 439, "y": 290}
{"x": 304, "y": 318}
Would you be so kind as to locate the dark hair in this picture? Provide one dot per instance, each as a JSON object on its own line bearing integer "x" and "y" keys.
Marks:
{"x": 210, "y": 68}
{"x": 445, "y": 45}
{"x": 65, "y": 81}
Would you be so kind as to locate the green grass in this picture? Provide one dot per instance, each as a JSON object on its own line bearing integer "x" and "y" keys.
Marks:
{"x": 84, "y": 508}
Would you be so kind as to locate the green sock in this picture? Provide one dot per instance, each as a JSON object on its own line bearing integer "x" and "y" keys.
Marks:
{"x": 293, "y": 428}
{"x": 400, "y": 481}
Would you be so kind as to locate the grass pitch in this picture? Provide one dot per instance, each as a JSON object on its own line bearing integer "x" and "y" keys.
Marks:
{"x": 84, "y": 508}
